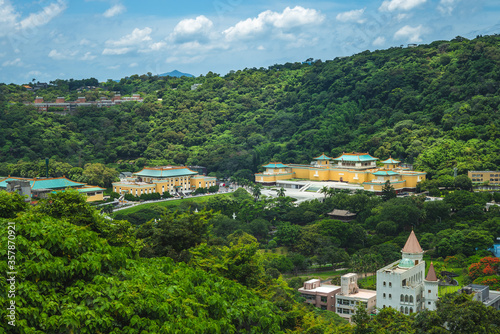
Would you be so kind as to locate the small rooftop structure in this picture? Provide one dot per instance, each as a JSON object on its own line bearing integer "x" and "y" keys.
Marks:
{"x": 342, "y": 215}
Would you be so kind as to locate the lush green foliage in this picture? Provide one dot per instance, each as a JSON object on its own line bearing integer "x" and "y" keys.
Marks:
{"x": 434, "y": 105}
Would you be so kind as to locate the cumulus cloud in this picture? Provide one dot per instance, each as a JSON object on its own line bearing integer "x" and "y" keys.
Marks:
{"x": 392, "y": 5}
{"x": 44, "y": 16}
{"x": 288, "y": 19}
{"x": 10, "y": 19}
{"x": 352, "y": 16}
{"x": 412, "y": 34}
{"x": 15, "y": 62}
{"x": 379, "y": 41}
{"x": 136, "y": 37}
{"x": 192, "y": 29}
{"x": 447, "y": 6}
{"x": 115, "y": 10}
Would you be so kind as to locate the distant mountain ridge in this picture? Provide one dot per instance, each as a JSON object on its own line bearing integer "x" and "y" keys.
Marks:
{"x": 176, "y": 74}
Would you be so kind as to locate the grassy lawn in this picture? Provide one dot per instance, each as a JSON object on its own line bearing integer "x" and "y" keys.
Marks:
{"x": 170, "y": 204}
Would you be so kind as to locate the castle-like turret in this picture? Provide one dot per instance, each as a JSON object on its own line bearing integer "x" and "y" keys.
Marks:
{"x": 431, "y": 287}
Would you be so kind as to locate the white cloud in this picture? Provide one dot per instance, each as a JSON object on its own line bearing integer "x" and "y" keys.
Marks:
{"x": 44, "y": 16}
{"x": 115, "y": 10}
{"x": 133, "y": 65}
{"x": 88, "y": 56}
{"x": 154, "y": 47}
{"x": 352, "y": 16}
{"x": 118, "y": 51}
{"x": 54, "y": 54}
{"x": 379, "y": 41}
{"x": 136, "y": 37}
{"x": 192, "y": 29}
{"x": 412, "y": 34}
{"x": 392, "y": 5}
{"x": 114, "y": 67}
{"x": 400, "y": 17}
{"x": 447, "y": 6}
{"x": 15, "y": 62}
{"x": 32, "y": 73}
{"x": 288, "y": 19}
{"x": 261, "y": 47}
{"x": 8, "y": 17}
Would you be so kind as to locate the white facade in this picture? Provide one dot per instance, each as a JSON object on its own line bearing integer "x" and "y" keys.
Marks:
{"x": 403, "y": 286}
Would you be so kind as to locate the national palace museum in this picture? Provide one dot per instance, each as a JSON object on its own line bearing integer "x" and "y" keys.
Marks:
{"x": 353, "y": 168}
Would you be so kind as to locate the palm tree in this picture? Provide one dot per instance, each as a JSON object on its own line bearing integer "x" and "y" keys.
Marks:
{"x": 280, "y": 192}
{"x": 325, "y": 190}
{"x": 256, "y": 191}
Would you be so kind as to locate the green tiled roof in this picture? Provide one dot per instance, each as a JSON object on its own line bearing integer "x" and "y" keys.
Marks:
{"x": 362, "y": 157}
{"x": 323, "y": 157}
{"x": 275, "y": 165}
{"x": 167, "y": 172}
{"x": 59, "y": 183}
{"x": 390, "y": 161}
{"x": 87, "y": 190}
{"x": 385, "y": 173}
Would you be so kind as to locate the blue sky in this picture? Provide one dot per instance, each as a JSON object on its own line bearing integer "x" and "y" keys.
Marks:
{"x": 110, "y": 39}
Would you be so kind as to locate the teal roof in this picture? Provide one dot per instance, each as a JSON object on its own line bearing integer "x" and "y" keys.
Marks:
{"x": 323, "y": 157}
{"x": 87, "y": 190}
{"x": 165, "y": 172}
{"x": 355, "y": 157}
{"x": 406, "y": 263}
{"x": 390, "y": 161}
{"x": 275, "y": 165}
{"x": 58, "y": 183}
{"x": 385, "y": 173}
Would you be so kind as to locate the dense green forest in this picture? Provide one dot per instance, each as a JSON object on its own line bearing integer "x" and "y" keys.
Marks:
{"x": 433, "y": 105}
{"x": 193, "y": 271}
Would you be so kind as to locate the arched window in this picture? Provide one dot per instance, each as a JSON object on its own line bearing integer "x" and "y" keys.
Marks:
{"x": 402, "y": 309}
{"x": 384, "y": 295}
{"x": 406, "y": 310}
{"x": 384, "y": 283}
{"x": 390, "y": 284}
{"x": 411, "y": 299}
{"x": 411, "y": 309}
{"x": 402, "y": 298}
{"x": 406, "y": 298}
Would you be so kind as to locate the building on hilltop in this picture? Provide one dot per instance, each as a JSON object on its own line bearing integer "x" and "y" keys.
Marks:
{"x": 343, "y": 299}
{"x": 354, "y": 168}
{"x": 62, "y": 106}
{"x": 41, "y": 187}
{"x": 403, "y": 285}
{"x": 171, "y": 179}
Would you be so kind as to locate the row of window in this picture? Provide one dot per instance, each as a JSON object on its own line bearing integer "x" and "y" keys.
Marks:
{"x": 482, "y": 175}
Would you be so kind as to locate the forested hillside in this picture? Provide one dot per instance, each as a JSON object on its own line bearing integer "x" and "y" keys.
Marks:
{"x": 433, "y": 105}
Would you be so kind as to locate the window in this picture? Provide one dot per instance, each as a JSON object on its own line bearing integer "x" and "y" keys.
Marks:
{"x": 323, "y": 307}
{"x": 411, "y": 309}
{"x": 390, "y": 296}
{"x": 384, "y": 283}
{"x": 406, "y": 299}
{"x": 428, "y": 303}
{"x": 402, "y": 298}
{"x": 429, "y": 291}
{"x": 323, "y": 299}
{"x": 384, "y": 295}
{"x": 390, "y": 284}
{"x": 411, "y": 299}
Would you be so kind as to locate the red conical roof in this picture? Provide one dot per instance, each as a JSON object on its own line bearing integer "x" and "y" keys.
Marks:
{"x": 412, "y": 245}
{"x": 431, "y": 274}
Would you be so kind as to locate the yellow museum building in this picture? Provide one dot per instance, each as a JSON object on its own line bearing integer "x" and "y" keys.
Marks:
{"x": 357, "y": 168}
{"x": 162, "y": 179}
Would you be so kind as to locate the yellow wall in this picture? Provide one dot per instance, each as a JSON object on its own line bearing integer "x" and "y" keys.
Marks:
{"x": 97, "y": 197}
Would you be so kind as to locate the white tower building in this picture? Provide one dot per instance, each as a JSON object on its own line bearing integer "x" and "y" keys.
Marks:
{"x": 400, "y": 285}
{"x": 431, "y": 285}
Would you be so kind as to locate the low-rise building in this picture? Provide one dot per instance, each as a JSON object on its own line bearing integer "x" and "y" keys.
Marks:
{"x": 41, "y": 187}
{"x": 343, "y": 299}
{"x": 171, "y": 179}
{"x": 320, "y": 295}
{"x": 351, "y": 296}
{"x": 492, "y": 177}
{"x": 483, "y": 294}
